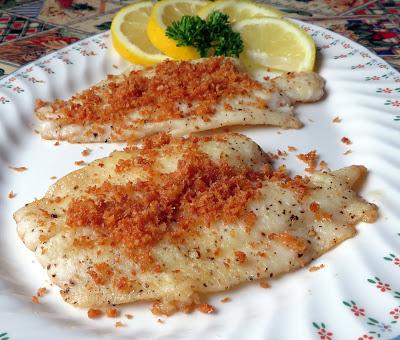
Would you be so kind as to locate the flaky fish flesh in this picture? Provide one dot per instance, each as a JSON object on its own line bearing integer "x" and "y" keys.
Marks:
{"x": 180, "y": 217}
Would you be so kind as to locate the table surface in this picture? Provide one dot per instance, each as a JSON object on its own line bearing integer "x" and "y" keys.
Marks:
{"x": 30, "y": 29}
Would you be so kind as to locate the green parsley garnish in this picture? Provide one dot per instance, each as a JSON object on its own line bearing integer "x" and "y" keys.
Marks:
{"x": 213, "y": 36}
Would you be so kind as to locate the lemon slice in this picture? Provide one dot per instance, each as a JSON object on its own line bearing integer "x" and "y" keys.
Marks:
{"x": 240, "y": 10}
{"x": 163, "y": 14}
{"x": 129, "y": 37}
{"x": 275, "y": 43}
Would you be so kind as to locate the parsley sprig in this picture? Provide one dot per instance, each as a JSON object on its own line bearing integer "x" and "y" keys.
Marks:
{"x": 213, "y": 36}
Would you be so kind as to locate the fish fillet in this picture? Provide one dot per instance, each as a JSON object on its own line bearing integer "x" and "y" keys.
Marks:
{"x": 177, "y": 98}
{"x": 183, "y": 217}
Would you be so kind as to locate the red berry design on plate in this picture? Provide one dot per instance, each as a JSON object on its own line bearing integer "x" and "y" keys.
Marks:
{"x": 358, "y": 311}
{"x": 323, "y": 333}
{"x": 366, "y": 337}
{"x": 383, "y": 287}
{"x": 395, "y": 313}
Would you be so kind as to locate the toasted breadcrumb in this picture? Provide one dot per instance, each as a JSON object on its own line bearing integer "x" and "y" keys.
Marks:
{"x": 79, "y": 163}
{"x": 119, "y": 324}
{"x": 41, "y": 291}
{"x": 240, "y": 256}
{"x": 291, "y": 148}
{"x": 310, "y": 159}
{"x": 86, "y": 152}
{"x": 35, "y": 300}
{"x": 129, "y": 316}
{"x": 346, "y": 141}
{"x": 94, "y": 313}
{"x": 314, "y": 206}
{"x": 290, "y": 241}
{"x": 18, "y": 168}
{"x": 197, "y": 172}
{"x": 316, "y": 268}
{"x": 323, "y": 165}
{"x": 206, "y": 308}
{"x": 264, "y": 284}
{"x": 337, "y": 119}
{"x": 226, "y": 300}
{"x": 155, "y": 97}
{"x": 347, "y": 152}
{"x": 112, "y": 312}
{"x": 56, "y": 143}
{"x": 160, "y": 321}
{"x": 11, "y": 194}
{"x": 53, "y": 177}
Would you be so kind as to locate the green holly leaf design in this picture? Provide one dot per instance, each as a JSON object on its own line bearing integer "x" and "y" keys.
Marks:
{"x": 390, "y": 257}
{"x": 323, "y": 325}
{"x": 373, "y": 321}
{"x": 316, "y": 325}
{"x": 346, "y": 304}
{"x": 396, "y": 295}
{"x": 397, "y": 118}
{"x": 3, "y": 336}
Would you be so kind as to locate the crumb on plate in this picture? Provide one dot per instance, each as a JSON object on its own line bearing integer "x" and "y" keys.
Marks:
{"x": 310, "y": 159}
{"x": 316, "y": 268}
{"x": 18, "y": 168}
{"x": 41, "y": 291}
{"x": 86, "y": 152}
{"x": 112, "y": 312}
{"x": 206, "y": 308}
{"x": 94, "y": 313}
{"x": 11, "y": 194}
{"x": 323, "y": 165}
{"x": 337, "y": 119}
{"x": 346, "y": 141}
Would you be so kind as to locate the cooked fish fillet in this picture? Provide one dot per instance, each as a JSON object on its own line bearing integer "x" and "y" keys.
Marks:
{"x": 178, "y": 98}
{"x": 226, "y": 218}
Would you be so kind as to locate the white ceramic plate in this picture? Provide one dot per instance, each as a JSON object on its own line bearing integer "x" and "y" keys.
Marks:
{"x": 356, "y": 295}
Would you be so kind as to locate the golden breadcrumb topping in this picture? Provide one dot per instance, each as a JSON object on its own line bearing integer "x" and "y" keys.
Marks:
{"x": 172, "y": 205}
{"x": 310, "y": 159}
{"x": 177, "y": 90}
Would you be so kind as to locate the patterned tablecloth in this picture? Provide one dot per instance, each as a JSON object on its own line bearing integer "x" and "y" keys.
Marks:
{"x": 30, "y": 29}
